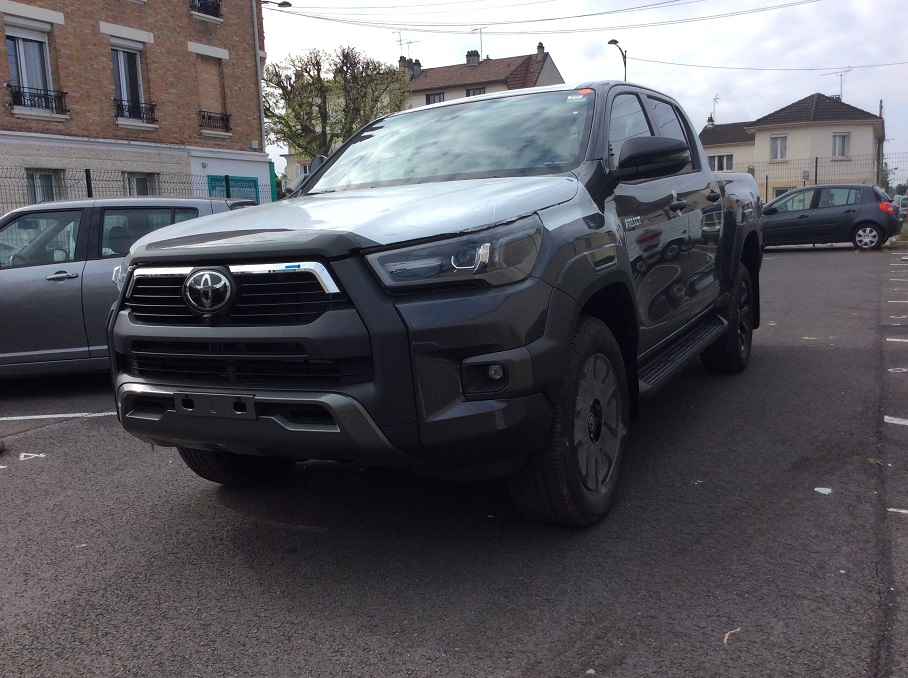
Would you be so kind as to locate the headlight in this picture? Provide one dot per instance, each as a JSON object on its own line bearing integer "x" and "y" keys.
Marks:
{"x": 496, "y": 256}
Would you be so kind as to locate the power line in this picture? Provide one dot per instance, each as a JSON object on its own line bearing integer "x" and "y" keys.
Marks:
{"x": 448, "y": 28}
{"x": 748, "y": 68}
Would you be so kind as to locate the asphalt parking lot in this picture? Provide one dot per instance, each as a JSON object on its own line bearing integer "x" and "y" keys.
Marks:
{"x": 761, "y": 530}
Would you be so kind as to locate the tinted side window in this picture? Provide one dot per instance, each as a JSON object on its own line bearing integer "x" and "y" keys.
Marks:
{"x": 796, "y": 203}
{"x": 626, "y": 120}
{"x": 667, "y": 121}
{"x": 121, "y": 227}
{"x": 39, "y": 238}
{"x": 838, "y": 197}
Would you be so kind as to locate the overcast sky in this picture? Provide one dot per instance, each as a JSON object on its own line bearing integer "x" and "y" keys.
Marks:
{"x": 775, "y": 52}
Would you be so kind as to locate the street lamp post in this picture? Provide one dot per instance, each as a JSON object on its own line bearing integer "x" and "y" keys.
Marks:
{"x": 282, "y": 3}
{"x": 623, "y": 55}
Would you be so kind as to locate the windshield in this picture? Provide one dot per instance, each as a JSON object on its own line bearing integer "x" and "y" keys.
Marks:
{"x": 535, "y": 133}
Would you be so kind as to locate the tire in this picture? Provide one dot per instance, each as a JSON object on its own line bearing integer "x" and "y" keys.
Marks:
{"x": 574, "y": 478}
{"x": 731, "y": 352}
{"x": 228, "y": 468}
{"x": 867, "y": 237}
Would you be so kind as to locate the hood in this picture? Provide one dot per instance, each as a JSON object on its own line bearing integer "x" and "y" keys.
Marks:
{"x": 333, "y": 224}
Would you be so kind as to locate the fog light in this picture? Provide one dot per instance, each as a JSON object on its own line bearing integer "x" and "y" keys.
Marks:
{"x": 495, "y": 371}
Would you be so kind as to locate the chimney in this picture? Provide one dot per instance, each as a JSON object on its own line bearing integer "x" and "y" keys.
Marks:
{"x": 417, "y": 69}
{"x": 540, "y": 52}
{"x": 710, "y": 123}
{"x": 473, "y": 58}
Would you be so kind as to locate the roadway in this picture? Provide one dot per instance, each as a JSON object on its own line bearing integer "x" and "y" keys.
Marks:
{"x": 761, "y": 530}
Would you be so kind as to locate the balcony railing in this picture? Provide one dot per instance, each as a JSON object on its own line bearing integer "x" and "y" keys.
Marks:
{"x": 209, "y": 7}
{"x": 47, "y": 99}
{"x": 135, "y": 111}
{"x": 218, "y": 121}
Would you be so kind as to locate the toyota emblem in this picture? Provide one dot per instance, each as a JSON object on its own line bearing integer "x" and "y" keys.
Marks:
{"x": 207, "y": 291}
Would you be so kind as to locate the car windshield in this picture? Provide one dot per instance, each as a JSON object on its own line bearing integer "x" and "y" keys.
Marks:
{"x": 534, "y": 133}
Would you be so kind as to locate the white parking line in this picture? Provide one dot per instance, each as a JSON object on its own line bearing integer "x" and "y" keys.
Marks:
{"x": 904, "y": 341}
{"x": 892, "y": 510}
{"x": 896, "y": 420}
{"x": 71, "y": 415}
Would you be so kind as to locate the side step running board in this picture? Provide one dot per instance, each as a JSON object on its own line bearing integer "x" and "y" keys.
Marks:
{"x": 666, "y": 365}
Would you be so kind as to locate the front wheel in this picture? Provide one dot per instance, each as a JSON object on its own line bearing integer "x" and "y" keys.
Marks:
{"x": 731, "y": 352}
{"x": 867, "y": 237}
{"x": 228, "y": 468}
{"x": 574, "y": 478}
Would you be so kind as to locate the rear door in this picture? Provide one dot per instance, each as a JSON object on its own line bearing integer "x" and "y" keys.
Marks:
{"x": 41, "y": 265}
{"x": 694, "y": 209}
{"x": 654, "y": 231}
{"x": 114, "y": 230}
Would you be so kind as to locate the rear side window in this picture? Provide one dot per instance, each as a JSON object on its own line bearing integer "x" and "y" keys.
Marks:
{"x": 669, "y": 123}
{"x": 123, "y": 226}
{"x": 838, "y": 197}
{"x": 184, "y": 214}
{"x": 626, "y": 121}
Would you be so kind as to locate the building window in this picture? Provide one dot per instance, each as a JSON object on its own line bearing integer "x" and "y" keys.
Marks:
{"x": 778, "y": 147}
{"x": 208, "y": 7}
{"x": 435, "y": 98}
{"x": 42, "y": 184}
{"x": 476, "y": 91}
{"x": 29, "y": 71}
{"x": 839, "y": 145}
{"x": 721, "y": 163}
{"x": 128, "y": 98}
{"x": 212, "y": 113}
{"x": 137, "y": 183}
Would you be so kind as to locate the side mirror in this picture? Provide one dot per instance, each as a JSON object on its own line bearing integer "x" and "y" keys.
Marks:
{"x": 769, "y": 211}
{"x": 650, "y": 157}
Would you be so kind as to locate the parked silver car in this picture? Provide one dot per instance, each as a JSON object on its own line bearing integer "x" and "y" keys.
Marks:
{"x": 56, "y": 264}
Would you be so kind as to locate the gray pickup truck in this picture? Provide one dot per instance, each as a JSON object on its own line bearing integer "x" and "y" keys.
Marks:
{"x": 476, "y": 289}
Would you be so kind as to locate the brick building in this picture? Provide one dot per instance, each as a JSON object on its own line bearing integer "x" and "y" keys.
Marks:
{"x": 143, "y": 90}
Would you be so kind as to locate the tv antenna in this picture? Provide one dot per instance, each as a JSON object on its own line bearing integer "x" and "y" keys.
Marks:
{"x": 479, "y": 30}
{"x": 715, "y": 101}
{"x": 841, "y": 75}
{"x": 402, "y": 42}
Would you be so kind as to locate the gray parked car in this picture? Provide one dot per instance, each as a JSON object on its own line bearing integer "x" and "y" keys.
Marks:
{"x": 56, "y": 264}
{"x": 855, "y": 213}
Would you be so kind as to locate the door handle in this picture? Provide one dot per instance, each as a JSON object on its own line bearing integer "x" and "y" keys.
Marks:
{"x": 677, "y": 205}
{"x": 803, "y": 216}
{"x": 713, "y": 196}
{"x": 61, "y": 275}
{"x": 850, "y": 211}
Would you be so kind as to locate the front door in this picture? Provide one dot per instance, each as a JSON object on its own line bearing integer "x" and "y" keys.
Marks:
{"x": 41, "y": 283}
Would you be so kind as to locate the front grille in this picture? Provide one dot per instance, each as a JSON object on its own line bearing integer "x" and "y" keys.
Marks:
{"x": 255, "y": 364}
{"x": 265, "y": 295}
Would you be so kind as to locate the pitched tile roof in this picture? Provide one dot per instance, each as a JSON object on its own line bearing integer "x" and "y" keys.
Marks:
{"x": 728, "y": 133}
{"x": 814, "y": 108}
{"x": 516, "y": 72}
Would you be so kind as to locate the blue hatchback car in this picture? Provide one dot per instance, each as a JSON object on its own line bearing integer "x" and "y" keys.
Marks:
{"x": 859, "y": 214}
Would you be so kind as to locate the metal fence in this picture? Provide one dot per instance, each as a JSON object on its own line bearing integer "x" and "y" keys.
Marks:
{"x": 776, "y": 177}
{"x": 19, "y": 187}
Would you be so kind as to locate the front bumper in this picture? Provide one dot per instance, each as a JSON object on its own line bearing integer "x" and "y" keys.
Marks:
{"x": 424, "y": 404}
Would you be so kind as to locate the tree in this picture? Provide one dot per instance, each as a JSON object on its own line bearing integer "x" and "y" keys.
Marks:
{"x": 316, "y": 101}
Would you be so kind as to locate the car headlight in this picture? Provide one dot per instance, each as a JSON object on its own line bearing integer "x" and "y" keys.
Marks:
{"x": 495, "y": 256}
